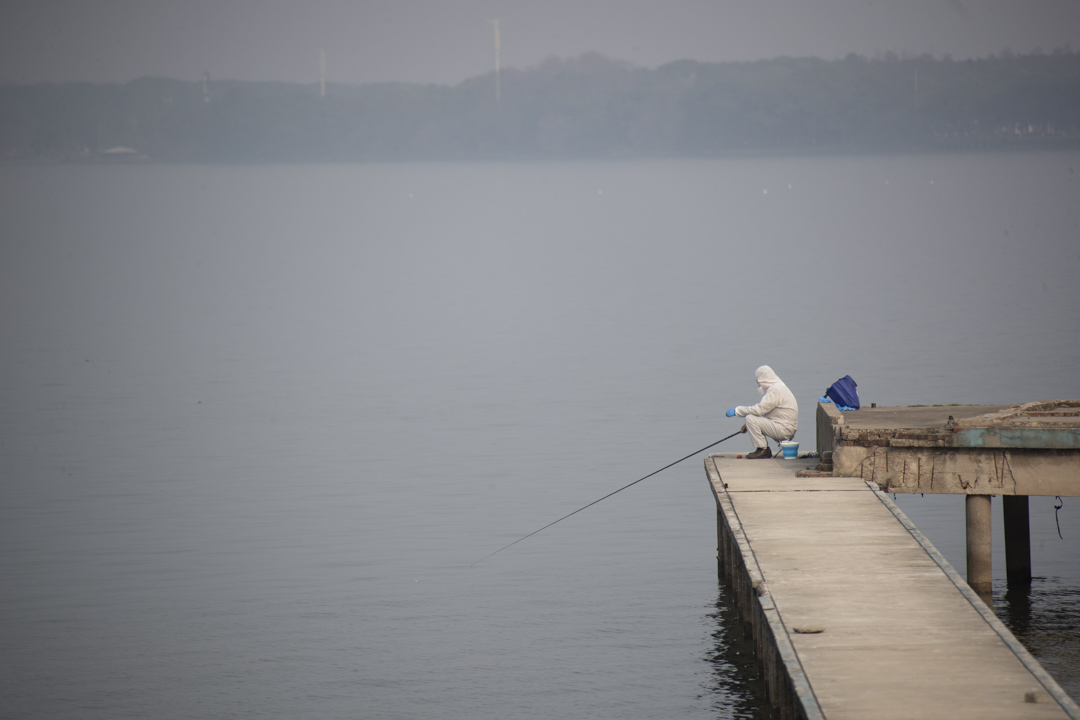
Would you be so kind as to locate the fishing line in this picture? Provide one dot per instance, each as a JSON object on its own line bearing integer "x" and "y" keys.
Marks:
{"x": 1057, "y": 506}
{"x": 740, "y": 432}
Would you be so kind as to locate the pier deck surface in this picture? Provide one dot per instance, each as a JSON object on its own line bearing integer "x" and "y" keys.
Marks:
{"x": 917, "y": 416}
{"x": 880, "y": 625}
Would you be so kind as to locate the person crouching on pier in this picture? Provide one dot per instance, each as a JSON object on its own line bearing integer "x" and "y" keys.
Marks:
{"x": 776, "y": 416}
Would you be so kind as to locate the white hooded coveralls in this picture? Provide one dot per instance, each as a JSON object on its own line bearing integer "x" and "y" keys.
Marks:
{"x": 776, "y": 416}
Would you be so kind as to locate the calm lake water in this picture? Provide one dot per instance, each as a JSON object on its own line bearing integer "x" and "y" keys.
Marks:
{"x": 257, "y": 424}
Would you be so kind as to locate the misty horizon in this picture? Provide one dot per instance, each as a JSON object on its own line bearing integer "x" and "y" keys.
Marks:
{"x": 439, "y": 43}
{"x": 590, "y": 106}
{"x": 881, "y": 56}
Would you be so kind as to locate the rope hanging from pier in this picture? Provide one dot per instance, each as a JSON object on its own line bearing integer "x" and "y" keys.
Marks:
{"x": 740, "y": 432}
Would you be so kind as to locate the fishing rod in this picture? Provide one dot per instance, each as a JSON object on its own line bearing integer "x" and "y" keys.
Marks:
{"x": 740, "y": 432}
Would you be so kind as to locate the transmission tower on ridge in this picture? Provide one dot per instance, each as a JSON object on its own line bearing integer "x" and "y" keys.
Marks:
{"x": 322, "y": 73}
{"x": 498, "y": 49}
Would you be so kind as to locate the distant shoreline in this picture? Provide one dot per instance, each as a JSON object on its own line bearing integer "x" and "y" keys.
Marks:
{"x": 1018, "y": 148}
{"x": 589, "y": 107}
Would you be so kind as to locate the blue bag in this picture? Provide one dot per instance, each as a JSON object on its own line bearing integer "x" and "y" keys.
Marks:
{"x": 843, "y": 393}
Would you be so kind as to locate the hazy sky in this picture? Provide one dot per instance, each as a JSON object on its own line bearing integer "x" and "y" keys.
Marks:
{"x": 446, "y": 41}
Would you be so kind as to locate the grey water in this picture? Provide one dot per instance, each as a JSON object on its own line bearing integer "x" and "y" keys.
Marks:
{"x": 258, "y": 424}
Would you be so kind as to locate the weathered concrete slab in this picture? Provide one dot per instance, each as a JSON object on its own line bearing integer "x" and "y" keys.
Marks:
{"x": 855, "y": 614}
{"x": 1029, "y": 449}
{"x": 914, "y": 416}
{"x": 1052, "y": 425}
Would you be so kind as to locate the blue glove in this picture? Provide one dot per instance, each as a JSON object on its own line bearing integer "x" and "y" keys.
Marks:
{"x": 731, "y": 412}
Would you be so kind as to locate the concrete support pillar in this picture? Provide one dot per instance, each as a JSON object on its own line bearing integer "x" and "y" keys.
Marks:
{"x": 1017, "y": 539}
{"x": 979, "y": 569}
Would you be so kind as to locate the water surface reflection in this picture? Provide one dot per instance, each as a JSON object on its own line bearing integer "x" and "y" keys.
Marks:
{"x": 736, "y": 684}
{"x": 1045, "y": 617}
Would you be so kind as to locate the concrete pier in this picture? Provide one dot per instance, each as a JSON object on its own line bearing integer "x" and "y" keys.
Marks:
{"x": 1017, "y": 539}
{"x": 854, "y": 613}
{"x": 981, "y": 451}
{"x": 1029, "y": 449}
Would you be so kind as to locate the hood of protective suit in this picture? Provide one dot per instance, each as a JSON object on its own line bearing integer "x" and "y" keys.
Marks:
{"x": 766, "y": 378}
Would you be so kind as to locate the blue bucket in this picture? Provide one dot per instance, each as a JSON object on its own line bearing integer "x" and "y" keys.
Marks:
{"x": 791, "y": 449}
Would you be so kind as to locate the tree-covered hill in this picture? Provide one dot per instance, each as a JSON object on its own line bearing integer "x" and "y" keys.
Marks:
{"x": 588, "y": 106}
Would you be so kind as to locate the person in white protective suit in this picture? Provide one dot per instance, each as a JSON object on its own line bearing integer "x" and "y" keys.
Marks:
{"x": 776, "y": 416}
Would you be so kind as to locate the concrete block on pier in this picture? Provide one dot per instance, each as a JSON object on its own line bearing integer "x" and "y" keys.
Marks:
{"x": 1029, "y": 449}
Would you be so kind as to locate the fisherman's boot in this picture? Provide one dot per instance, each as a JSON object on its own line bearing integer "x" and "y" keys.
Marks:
{"x": 760, "y": 454}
